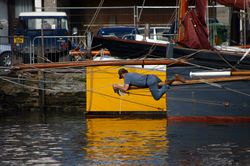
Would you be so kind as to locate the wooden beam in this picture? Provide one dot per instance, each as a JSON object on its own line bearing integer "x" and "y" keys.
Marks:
{"x": 87, "y": 63}
{"x": 212, "y": 80}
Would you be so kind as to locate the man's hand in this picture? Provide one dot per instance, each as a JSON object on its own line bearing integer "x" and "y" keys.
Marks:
{"x": 118, "y": 90}
{"x": 122, "y": 88}
{"x": 115, "y": 88}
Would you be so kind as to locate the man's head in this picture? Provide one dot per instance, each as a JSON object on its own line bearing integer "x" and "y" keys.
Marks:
{"x": 121, "y": 72}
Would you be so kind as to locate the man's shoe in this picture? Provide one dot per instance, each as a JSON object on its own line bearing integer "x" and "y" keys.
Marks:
{"x": 179, "y": 78}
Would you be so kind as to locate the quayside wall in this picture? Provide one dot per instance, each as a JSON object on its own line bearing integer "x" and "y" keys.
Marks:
{"x": 53, "y": 90}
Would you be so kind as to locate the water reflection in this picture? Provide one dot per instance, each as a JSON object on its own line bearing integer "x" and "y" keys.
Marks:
{"x": 117, "y": 141}
{"x": 28, "y": 139}
{"x": 209, "y": 144}
{"x": 70, "y": 139}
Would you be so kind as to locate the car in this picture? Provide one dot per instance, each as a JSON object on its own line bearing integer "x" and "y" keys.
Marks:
{"x": 123, "y": 32}
{"x": 5, "y": 55}
{"x": 30, "y": 26}
{"x": 129, "y": 33}
{"x": 156, "y": 33}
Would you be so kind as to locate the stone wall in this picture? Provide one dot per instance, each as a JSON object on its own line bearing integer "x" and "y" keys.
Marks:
{"x": 64, "y": 91}
{"x": 48, "y": 4}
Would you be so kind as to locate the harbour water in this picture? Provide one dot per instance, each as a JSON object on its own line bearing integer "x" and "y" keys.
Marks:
{"x": 35, "y": 138}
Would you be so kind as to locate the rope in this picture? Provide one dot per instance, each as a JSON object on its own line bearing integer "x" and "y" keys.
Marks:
{"x": 95, "y": 16}
{"x": 222, "y": 87}
{"x": 139, "y": 17}
{"x": 218, "y": 53}
{"x": 187, "y": 100}
{"x": 140, "y": 104}
{"x": 26, "y": 86}
{"x": 243, "y": 57}
{"x": 207, "y": 102}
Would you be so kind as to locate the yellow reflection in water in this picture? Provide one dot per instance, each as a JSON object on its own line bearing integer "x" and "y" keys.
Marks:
{"x": 114, "y": 139}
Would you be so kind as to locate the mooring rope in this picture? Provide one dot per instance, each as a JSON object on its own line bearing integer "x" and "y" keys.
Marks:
{"x": 243, "y": 57}
{"x": 139, "y": 17}
{"x": 207, "y": 102}
{"x": 118, "y": 98}
{"x": 26, "y": 86}
{"x": 95, "y": 16}
{"x": 222, "y": 87}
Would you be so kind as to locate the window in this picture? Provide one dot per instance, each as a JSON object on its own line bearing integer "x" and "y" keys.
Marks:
{"x": 63, "y": 23}
{"x": 39, "y": 22}
{"x": 47, "y": 23}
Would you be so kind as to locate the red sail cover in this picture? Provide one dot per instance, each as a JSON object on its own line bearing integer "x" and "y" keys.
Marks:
{"x": 239, "y": 4}
{"x": 195, "y": 29}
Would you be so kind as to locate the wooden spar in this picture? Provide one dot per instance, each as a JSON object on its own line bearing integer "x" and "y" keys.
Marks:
{"x": 163, "y": 61}
{"x": 212, "y": 80}
{"x": 240, "y": 73}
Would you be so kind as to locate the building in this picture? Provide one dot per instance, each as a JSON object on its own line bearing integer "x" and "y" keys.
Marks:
{"x": 81, "y": 13}
{"x": 10, "y": 11}
{"x": 86, "y": 14}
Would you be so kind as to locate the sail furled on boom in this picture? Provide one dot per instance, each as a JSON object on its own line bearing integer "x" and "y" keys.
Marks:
{"x": 194, "y": 33}
{"x": 239, "y": 4}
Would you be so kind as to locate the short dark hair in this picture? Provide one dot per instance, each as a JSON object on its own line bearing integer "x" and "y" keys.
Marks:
{"x": 122, "y": 71}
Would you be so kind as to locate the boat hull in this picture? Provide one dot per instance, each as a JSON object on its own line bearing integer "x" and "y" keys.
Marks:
{"x": 125, "y": 49}
{"x": 220, "y": 101}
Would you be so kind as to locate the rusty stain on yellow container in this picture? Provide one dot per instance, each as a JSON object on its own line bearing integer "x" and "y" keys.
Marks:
{"x": 101, "y": 97}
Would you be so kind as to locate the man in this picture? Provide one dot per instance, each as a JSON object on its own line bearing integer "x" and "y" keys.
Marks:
{"x": 46, "y": 25}
{"x": 138, "y": 80}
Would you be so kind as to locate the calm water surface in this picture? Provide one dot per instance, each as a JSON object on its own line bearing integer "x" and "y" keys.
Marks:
{"x": 70, "y": 139}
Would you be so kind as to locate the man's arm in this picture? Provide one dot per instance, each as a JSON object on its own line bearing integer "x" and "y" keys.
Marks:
{"x": 123, "y": 88}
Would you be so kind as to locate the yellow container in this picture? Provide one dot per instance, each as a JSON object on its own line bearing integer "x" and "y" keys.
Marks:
{"x": 102, "y": 99}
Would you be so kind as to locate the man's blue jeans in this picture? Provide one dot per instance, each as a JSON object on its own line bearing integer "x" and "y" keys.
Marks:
{"x": 152, "y": 83}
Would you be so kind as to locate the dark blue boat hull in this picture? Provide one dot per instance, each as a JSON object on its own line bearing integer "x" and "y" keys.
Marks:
{"x": 228, "y": 100}
{"x": 125, "y": 49}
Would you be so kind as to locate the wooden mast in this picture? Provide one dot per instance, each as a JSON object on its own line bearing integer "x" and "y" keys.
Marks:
{"x": 183, "y": 7}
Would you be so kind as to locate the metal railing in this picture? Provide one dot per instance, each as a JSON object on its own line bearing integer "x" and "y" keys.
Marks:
{"x": 55, "y": 48}
{"x": 40, "y": 49}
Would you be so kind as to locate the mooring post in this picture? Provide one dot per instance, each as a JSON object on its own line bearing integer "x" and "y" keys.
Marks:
{"x": 41, "y": 93}
{"x": 41, "y": 75}
{"x": 146, "y": 32}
